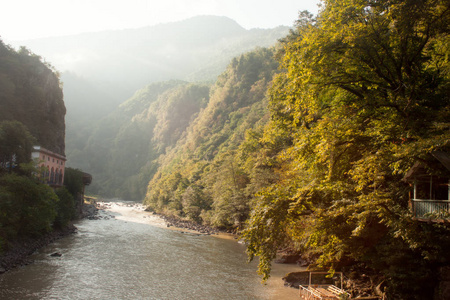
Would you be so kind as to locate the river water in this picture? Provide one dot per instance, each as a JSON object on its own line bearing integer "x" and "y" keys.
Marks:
{"x": 130, "y": 254}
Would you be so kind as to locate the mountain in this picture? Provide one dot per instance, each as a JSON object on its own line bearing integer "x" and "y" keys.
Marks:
{"x": 202, "y": 177}
{"x": 101, "y": 70}
{"x": 31, "y": 94}
{"x": 195, "y": 49}
{"x": 121, "y": 151}
{"x": 176, "y": 127}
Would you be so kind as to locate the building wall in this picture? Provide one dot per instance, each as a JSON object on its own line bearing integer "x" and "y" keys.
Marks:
{"x": 52, "y": 165}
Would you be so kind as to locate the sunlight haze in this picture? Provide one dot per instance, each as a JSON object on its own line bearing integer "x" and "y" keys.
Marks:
{"x": 29, "y": 19}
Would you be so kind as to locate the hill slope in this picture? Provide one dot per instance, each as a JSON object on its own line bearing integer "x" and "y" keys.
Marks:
{"x": 101, "y": 70}
{"x": 31, "y": 94}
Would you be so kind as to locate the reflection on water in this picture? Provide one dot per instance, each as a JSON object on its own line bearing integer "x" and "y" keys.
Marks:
{"x": 117, "y": 259}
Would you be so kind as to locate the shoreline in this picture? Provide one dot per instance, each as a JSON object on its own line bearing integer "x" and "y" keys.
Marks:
{"x": 285, "y": 269}
{"x": 20, "y": 253}
{"x": 20, "y": 250}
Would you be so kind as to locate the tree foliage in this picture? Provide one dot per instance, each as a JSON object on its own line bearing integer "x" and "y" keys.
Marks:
{"x": 65, "y": 208}
{"x": 27, "y": 207}
{"x": 16, "y": 145}
{"x": 363, "y": 93}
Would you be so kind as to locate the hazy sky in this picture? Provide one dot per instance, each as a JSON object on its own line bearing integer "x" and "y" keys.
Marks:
{"x": 27, "y": 19}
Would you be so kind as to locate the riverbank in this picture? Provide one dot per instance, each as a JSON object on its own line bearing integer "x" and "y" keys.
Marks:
{"x": 129, "y": 212}
{"x": 136, "y": 212}
{"x": 19, "y": 252}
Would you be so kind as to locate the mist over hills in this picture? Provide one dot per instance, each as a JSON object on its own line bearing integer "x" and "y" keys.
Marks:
{"x": 103, "y": 69}
{"x": 196, "y": 49}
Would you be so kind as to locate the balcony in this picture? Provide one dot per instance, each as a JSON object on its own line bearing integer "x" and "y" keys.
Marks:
{"x": 431, "y": 209}
{"x": 430, "y": 182}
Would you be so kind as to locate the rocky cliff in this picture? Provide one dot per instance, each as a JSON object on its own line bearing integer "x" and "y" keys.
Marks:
{"x": 31, "y": 93}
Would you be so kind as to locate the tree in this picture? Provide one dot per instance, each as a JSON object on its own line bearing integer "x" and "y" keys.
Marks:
{"x": 27, "y": 207}
{"x": 65, "y": 208}
{"x": 16, "y": 145}
{"x": 363, "y": 93}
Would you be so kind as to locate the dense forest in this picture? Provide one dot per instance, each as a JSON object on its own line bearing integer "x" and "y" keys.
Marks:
{"x": 31, "y": 113}
{"x": 312, "y": 155}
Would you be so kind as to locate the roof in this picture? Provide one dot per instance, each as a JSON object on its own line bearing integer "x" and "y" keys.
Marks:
{"x": 443, "y": 157}
{"x": 48, "y": 152}
{"x": 419, "y": 168}
{"x": 87, "y": 178}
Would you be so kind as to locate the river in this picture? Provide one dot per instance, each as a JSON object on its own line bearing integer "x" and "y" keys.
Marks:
{"x": 130, "y": 254}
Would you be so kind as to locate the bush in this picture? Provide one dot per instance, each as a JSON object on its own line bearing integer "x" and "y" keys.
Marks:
{"x": 65, "y": 208}
{"x": 27, "y": 207}
{"x": 73, "y": 181}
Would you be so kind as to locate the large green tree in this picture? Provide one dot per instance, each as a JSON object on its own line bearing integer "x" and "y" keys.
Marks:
{"x": 363, "y": 93}
{"x": 16, "y": 144}
{"x": 27, "y": 208}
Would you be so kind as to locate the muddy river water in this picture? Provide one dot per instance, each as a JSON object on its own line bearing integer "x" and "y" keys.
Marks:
{"x": 130, "y": 254}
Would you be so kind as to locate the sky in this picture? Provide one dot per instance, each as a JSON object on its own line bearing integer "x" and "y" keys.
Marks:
{"x": 30, "y": 19}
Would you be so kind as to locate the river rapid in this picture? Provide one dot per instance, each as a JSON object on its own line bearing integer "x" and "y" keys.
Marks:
{"x": 131, "y": 254}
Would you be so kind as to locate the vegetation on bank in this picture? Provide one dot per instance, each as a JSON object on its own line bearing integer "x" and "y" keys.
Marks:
{"x": 31, "y": 113}
{"x": 29, "y": 208}
{"x": 364, "y": 93}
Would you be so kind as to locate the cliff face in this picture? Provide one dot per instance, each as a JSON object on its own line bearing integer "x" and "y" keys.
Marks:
{"x": 31, "y": 94}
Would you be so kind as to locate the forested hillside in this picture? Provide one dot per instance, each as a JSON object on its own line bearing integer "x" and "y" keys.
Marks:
{"x": 196, "y": 49}
{"x": 203, "y": 177}
{"x": 121, "y": 151}
{"x": 31, "y": 94}
{"x": 31, "y": 113}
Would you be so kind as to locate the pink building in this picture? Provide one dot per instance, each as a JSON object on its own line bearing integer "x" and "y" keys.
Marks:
{"x": 51, "y": 165}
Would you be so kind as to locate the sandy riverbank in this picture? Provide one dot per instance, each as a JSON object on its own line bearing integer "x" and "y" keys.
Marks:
{"x": 132, "y": 212}
{"x": 135, "y": 212}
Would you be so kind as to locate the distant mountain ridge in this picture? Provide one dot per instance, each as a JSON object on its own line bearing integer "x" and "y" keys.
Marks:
{"x": 135, "y": 57}
{"x": 100, "y": 70}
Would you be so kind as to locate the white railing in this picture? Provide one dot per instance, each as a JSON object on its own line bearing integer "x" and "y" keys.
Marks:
{"x": 321, "y": 292}
{"x": 308, "y": 293}
{"x": 431, "y": 209}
